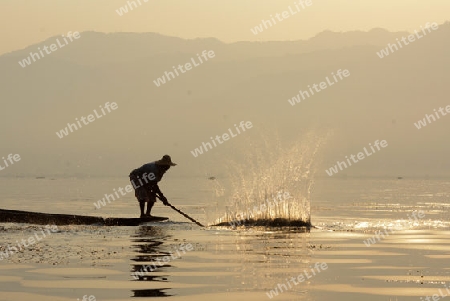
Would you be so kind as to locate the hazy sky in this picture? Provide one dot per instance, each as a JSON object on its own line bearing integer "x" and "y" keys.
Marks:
{"x": 25, "y": 22}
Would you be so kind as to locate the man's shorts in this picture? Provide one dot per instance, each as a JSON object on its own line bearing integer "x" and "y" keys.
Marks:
{"x": 143, "y": 193}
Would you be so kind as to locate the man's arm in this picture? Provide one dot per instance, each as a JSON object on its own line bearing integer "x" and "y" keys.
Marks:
{"x": 156, "y": 189}
{"x": 160, "y": 194}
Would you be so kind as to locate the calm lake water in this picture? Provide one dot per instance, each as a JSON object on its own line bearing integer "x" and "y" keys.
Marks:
{"x": 409, "y": 262}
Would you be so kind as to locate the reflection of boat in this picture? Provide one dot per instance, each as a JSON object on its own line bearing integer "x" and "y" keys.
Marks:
{"x": 15, "y": 216}
{"x": 399, "y": 178}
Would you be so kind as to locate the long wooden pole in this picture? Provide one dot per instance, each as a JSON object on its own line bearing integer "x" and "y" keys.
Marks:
{"x": 182, "y": 213}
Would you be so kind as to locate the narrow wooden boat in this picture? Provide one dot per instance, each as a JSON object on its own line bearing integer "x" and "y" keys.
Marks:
{"x": 37, "y": 218}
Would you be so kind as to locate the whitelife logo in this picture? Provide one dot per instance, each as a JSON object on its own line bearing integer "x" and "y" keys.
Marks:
{"x": 12, "y": 159}
{"x": 53, "y": 47}
{"x": 86, "y": 120}
{"x": 430, "y": 118}
{"x": 129, "y": 188}
{"x": 360, "y": 155}
{"x": 302, "y": 277}
{"x": 188, "y": 66}
{"x": 161, "y": 261}
{"x": 243, "y": 216}
{"x": 391, "y": 48}
{"x": 301, "y": 5}
{"x": 124, "y": 9}
{"x": 378, "y": 234}
{"x": 11, "y": 250}
{"x": 86, "y": 298}
{"x": 437, "y": 297}
{"x": 225, "y": 137}
{"x": 339, "y": 76}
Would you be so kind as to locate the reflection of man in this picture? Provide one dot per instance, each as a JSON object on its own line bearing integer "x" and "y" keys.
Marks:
{"x": 145, "y": 182}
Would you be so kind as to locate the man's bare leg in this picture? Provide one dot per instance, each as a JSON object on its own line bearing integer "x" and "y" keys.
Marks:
{"x": 149, "y": 208}
{"x": 142, "y": 206}
{"x": 151, "y": 202}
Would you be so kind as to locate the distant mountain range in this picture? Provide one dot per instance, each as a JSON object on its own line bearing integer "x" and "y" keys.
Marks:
{"x": 381, "y": 99}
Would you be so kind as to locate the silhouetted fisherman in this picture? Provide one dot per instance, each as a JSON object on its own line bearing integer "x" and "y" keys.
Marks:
{"x": 145, "y": 182}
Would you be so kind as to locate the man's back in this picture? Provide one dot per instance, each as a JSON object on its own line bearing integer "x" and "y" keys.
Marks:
{"x": 150, "y": 171}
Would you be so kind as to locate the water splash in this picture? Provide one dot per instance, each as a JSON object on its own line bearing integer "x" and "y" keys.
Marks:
{"x": 274, "y": 183}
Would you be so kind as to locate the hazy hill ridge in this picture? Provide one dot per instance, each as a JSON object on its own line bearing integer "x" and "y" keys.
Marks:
{"x": 245, "y": 81}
